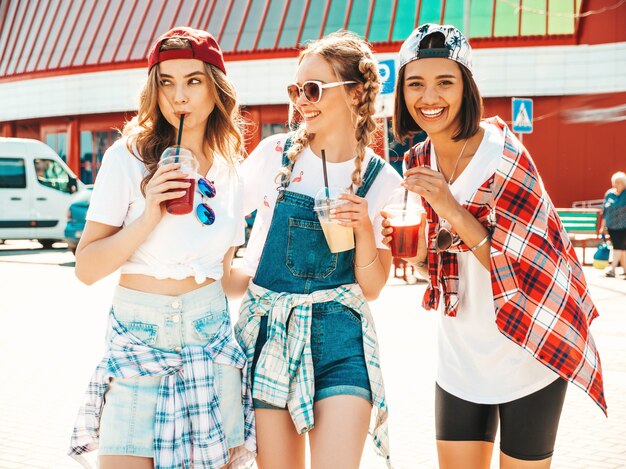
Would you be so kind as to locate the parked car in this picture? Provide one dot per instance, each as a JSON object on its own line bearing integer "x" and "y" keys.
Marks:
{"x": 35, "y": 190}
{"x": 76, "y": 217}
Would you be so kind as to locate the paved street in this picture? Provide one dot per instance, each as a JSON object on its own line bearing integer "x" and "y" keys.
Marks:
{"x": 52, "y": 337}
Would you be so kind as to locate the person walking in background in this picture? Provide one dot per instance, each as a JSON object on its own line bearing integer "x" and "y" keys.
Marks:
{"x": 168, "y": 392}
{"x": 516, "y": 310}
{"x": 614, "y": 221}
{"x": 305, "y": 323}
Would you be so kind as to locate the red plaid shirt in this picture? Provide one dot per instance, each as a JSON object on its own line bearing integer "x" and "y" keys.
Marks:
{"x": 539, "y": 290}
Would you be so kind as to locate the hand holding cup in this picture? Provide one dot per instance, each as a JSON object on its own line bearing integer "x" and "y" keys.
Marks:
{"x": 422, "y": 244}
{"x": 168, "y": 183}
{"x": 339, "y": 236}
{"x": 431, "y": 185}
{"x": 183, "y": 204}
{"x": 402, "y": 224}
{"x": 353, "y": 213}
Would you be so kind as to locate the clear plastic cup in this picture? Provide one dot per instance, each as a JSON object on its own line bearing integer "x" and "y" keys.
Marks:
{"x": 406, "y": 223}
{"x": 188, "y": 164}
{"x": 338, "y": 237}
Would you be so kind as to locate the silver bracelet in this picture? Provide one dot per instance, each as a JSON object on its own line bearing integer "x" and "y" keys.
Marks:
{"x": 482, "y": 241}
{"x": 423, "y": 263}
{"x": 368, "y": 265}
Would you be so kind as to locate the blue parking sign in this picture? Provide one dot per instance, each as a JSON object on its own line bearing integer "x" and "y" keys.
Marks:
{"x": 387, "y": 71}
{"x": 522, "y": 115}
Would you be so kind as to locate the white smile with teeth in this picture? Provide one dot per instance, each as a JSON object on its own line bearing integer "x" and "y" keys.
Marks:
{"x": 432, "y": 112}
{"x": 311, "y": 114}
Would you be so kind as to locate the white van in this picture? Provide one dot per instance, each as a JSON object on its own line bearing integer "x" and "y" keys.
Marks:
{"x": 35, "y": 190}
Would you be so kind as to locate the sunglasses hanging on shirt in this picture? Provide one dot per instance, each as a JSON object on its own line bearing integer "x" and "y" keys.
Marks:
{"x": 445, "y": 238}
{"x": 204, "y": 212}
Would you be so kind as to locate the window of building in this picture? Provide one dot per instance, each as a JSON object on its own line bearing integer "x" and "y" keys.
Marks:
{"x": 231, "y": 29}
{"x": 313, "y": 22}
{"x": 381, "y": 19}
{"x": 250, "y": 29}
{"x": 272, "y": 21}
{"x": 336, "y": 16}
{"x": 430, "y": 12}
{"x": 58, "y": 142}
{"x": 12, "y": 173}
{"x": 52, "y": 174}
{"x": 358, "y": 17}
{"x": 291, "y": 27}
{"x": 267, "y": 130}
{"x": 93, "y": 144}
{"x": 403, "y": 26}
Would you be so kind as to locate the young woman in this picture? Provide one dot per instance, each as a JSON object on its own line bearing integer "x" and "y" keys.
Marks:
{"x": 614, "y": 221}
{"x": 516, "y": 309}
{"x": 168, "y": 392}
{"x": 304, "y": 322}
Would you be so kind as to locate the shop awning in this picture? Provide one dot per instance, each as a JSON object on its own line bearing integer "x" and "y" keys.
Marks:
{"x": 47, "y": 36}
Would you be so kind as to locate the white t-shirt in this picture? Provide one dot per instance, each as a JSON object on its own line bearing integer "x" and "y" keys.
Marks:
{"x": 259, "y": 173}
{"x": 476, "y": 362}
{"x": 180, "y": 246}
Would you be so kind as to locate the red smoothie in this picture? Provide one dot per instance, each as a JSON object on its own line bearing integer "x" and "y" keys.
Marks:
{"x": 184, "y": 204}
{"x": 404, "y": 240}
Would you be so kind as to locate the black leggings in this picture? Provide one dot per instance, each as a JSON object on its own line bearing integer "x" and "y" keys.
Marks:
{"x": 528, "y": 425}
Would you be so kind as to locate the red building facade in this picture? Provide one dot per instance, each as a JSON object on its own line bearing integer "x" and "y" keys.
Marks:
{"x": 577, "y": 139}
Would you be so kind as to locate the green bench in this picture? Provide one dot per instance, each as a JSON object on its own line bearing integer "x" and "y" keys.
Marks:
{"x": 582, "y": 225}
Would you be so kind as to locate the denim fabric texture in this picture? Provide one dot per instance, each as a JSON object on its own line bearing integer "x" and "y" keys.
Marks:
{"x": 296, "y": 259}
{"x": 166, "y": 323}
{"x": 337, "y": 349}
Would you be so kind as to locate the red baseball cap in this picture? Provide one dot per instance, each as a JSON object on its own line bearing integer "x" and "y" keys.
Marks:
{"x": 203, "y": 47}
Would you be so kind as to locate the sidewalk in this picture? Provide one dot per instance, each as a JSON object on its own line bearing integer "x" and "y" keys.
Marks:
{"x": 52, "y": 338}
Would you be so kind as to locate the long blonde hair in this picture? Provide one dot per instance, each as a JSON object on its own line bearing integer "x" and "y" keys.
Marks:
{"x": 150, "y": 133}
{"x": 352, "y": 60}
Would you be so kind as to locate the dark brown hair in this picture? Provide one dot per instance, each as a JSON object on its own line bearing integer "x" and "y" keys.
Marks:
{"x": 470, "y": 114}
{"x": 150, "y": 133}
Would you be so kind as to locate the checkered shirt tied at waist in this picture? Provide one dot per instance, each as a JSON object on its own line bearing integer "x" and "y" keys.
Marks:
{"x": 188, "y": 428}
{"x": 284, "y": 372}
{"x": 541, "y": 298}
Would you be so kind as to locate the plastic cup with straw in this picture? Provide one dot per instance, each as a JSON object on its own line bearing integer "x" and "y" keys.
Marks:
{"x": 405, "y": 217}
{"x": 338, "y": 237}
{"x": 189, "y": 165}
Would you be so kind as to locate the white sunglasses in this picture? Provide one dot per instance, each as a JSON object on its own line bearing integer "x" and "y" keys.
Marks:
{"x": 312, "y": 90}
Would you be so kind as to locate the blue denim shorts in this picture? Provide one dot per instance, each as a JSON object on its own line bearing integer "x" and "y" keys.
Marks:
{"x": 337, "y": 349}
{"x": 167, "y": 323}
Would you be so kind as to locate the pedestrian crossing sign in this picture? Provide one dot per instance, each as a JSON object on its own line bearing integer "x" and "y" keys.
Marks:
{"x": 387, "y": 72}
{"x": 522, "y": 115}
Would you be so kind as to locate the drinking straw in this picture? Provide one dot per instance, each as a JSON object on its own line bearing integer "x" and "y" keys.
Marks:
{"x": 180, "y": 134}
{"x": 402, "y": 235}
{"x": 325, "y": 174}
{"x": 406, "y": 199}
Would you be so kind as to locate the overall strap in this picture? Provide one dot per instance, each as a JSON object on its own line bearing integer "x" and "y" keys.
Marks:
{"x": 373, "y": 168}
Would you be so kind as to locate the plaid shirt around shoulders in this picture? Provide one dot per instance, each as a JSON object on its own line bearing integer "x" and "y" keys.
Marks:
{"x": 188, "y": 427}
{"x": 284, "y": 372}
{"x": 541, "y": 298}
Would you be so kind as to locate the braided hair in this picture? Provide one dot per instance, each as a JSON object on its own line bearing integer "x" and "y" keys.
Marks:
{"x": 352, "y": 60}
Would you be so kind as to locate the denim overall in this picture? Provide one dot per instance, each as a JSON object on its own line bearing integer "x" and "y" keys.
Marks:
{"x": 296, "y": 259}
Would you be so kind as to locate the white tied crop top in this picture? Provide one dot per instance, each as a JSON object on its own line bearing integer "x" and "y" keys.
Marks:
{"x": 179, "y": 246}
